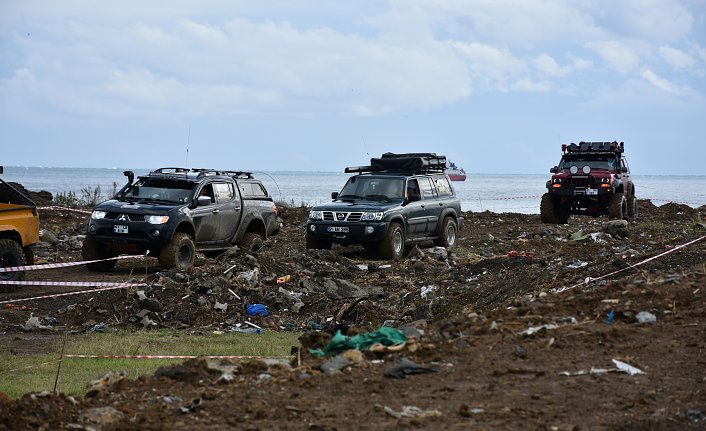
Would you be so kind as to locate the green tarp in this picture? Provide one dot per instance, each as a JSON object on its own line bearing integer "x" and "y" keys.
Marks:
{"x": 386, "y": 336}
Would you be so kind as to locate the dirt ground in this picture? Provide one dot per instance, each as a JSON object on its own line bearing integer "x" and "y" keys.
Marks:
{"x": 515, "y": 328}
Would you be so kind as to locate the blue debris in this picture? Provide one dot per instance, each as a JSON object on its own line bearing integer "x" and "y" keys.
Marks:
{"x": 257, "y": 310}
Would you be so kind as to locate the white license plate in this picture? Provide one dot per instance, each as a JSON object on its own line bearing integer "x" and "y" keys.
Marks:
{"x": 337, "y": 229}
{"x": 591, "y": 191}
{"x": 120, "y": 228}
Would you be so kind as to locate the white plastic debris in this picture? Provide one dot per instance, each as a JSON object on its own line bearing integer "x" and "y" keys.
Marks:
{"x": 222, "y": 307}
{"x": 426, "y": 290}
{"x": 535, "y": 329}
{"x": 627, "y": 368}
{"x": 646, "y": 317}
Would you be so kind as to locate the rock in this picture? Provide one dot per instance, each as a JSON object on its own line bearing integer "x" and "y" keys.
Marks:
{"x": 616, "y": 228}
{"x": 335, "y": 365}
{"x": 402, "y": 367}
{"x": 340, "y": 289}
{"x": 48, "y": 236}
{"x": 439, "y": 252}
{"x": 101, "y": 416}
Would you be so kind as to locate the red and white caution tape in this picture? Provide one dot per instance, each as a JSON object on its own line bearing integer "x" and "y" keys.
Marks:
{"x": 57, "y": 295}
{"x": 512, "y": 198}
{"x": 68, "y": 283}
{"x": 62, "y": 264}
{"x": 649, "y": 259}
{"x": 58, "y": 208}
{"x": 172, "y": 357}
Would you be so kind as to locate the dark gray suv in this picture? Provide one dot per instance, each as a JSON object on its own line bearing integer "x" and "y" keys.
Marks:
{"x": 398, "y": 200}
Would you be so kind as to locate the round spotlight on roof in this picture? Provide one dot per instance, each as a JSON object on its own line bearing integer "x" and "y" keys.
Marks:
{"x": 574, "y": 169}
{"x": 586, "y": 170}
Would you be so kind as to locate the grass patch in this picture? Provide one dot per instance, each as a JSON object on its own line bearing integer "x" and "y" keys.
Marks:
{"x": 20, "y": 374}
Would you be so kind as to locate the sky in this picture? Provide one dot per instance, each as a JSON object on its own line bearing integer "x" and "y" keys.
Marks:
{"x": 300, "y": 85}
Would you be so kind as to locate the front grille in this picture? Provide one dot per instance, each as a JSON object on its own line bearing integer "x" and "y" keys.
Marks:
{"x": 342, "y": 216}
{"x": 580, "y": 181}
{"x": 128, "y": 217}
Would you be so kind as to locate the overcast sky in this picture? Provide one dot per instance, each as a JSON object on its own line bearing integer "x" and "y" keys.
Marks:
{"x": 496, "y": 85}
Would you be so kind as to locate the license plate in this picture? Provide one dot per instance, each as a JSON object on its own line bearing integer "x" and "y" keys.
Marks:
{"x": 337, "y": 229}
{"x": 120, "y": 228}
{"x": 591, "y": 191}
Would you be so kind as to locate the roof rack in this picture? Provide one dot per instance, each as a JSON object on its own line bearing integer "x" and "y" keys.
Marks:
{"x": 594, "y": 147}
{"x": 415, "y": 163}
{"x": 201, "y": 172}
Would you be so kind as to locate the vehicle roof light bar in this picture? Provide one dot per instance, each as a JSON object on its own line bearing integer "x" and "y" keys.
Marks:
{"x": 594, "y": 147}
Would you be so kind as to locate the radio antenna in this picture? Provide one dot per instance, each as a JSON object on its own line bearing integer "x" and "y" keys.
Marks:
{"x": 188, "y": 140}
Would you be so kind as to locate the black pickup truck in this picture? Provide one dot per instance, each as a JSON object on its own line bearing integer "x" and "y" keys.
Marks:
{"x": 174, "y": 212}
{"x": 398, "y": 200}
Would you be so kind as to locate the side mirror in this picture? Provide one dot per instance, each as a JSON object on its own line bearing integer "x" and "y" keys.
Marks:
{"x": 0, "y": 169}
{"x": 203, "y": 201}
{"x": 624, "y": 169}
{"x": 554, "y": 170}
{"x": 334, "y": 195}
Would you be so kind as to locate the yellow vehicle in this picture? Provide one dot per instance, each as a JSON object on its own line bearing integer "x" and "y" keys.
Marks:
{"x": 19, "y": 230}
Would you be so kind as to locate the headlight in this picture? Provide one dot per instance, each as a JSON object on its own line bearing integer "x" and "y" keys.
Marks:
{"x": 605, "y": 180}
{"x": 316, "y": 215}
{"x": 556, "y": 180}
{"x": 156, "y": 219}
{"x": 372, "y": 216}
{"x": 97, "y": 215}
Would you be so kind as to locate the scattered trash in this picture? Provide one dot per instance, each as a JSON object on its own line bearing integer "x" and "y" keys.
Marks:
{"x": 627, "y": 368}
{"x": 257, "y": 310}
{"x": 335, "y": 365}
{"x": 611, "y": 316}
{"x": 283, "y": 279}
{"x": 620, "y": 367}
{"x": 646, "y": 317}
{"x": 426, "y": 290}
{"x": 535, "y": 329}
{"x": 412, "y": 412}
{"x": 34, "y": 323}
{"x": 578, "y": 237}
{"x": 577, "y": 264}
{"x": 385, "y": 336}
{"x": 402, "y": 367}
{"x": 196, "y": 404}
{"x": 221, "y": 307}
{"x": 616, "y": 228}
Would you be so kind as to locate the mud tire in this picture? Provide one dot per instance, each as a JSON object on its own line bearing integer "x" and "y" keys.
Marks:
{"x": 179, "y": 253}
{"x": 11, "y": 254}
{"x": 252, "y": 243}
{"x": 93, "y": 250}
{"x": 316, "y": 244}
{"x": 447, "y": 234}
{"x": 617, "y": 207}
{"x": 547, "y": 210}
{"x": 632, "y": 208}
{"x": 392, "y": 247}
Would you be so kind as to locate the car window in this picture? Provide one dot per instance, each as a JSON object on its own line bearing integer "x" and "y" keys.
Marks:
{"x": 442, "y": 186}
{"x": 427, "y": 189}
{"x": 252, "y": 189}
{"x": 223, "y": 191}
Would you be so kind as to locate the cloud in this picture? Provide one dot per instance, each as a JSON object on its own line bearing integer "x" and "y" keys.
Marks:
{"x": 676, "y": 58}
{"x": 662, "y": 83}
{"x": 619, "y": 55}
{"x": 494, "y": 67}
{"x": 526, "y": 84}
{"x": 548, "y": 66}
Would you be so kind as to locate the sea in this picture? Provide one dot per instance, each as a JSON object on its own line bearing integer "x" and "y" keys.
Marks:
{"x": 499, "y": 193}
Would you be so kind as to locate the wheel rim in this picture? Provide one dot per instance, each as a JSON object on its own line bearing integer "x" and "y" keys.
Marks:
{"x": 451, "y": 235}
{"x": 184, "y": 254}
{"x": 397, "y": 242}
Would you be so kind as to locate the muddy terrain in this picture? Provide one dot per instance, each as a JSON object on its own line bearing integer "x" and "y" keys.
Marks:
{"x": 522, "y": 325}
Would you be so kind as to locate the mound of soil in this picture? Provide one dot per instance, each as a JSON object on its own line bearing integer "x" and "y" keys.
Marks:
{"x": 517, "y": 327}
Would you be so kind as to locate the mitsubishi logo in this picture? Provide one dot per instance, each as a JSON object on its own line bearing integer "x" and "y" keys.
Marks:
{"x": 340, "y": 216}
{"x": 122, "y": 217}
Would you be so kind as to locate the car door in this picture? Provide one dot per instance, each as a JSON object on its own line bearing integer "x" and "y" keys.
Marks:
{"x": 431, "y": 205}
{"x": 230, "y": 207}
{"x": 206, "y": 217}
{"x": 416, "y": 217}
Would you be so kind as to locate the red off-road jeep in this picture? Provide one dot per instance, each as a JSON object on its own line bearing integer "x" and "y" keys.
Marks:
{"x": 592, "y": 178}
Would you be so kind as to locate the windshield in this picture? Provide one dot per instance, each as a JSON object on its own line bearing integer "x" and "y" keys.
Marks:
{"x": 360, "y": 187}
{"x": 593, "y": 161}
{"x": 159, "y": 190}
